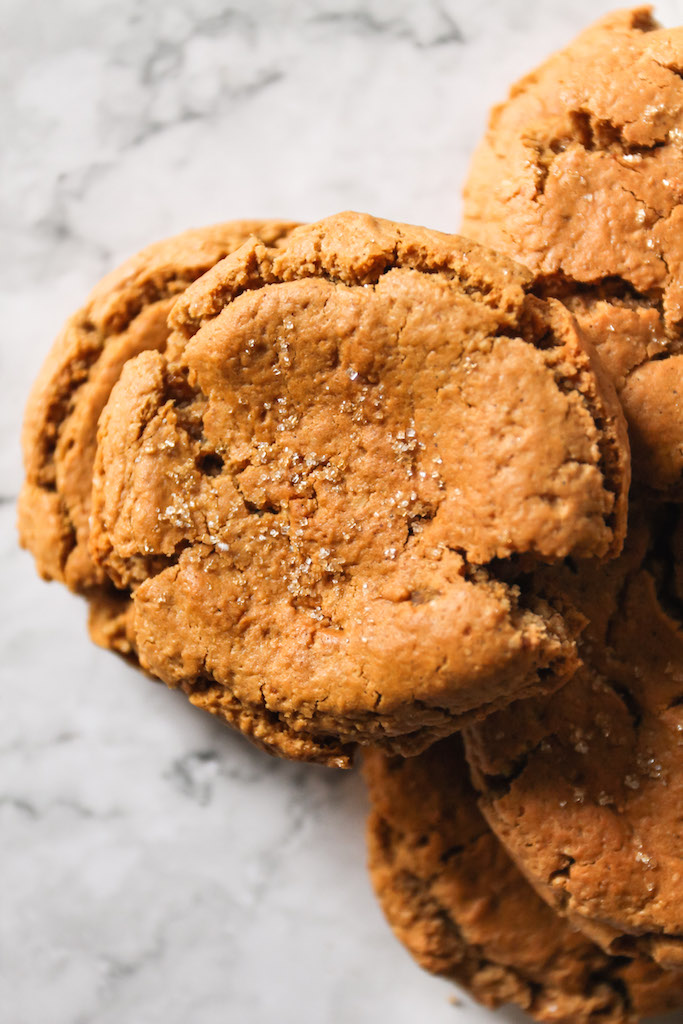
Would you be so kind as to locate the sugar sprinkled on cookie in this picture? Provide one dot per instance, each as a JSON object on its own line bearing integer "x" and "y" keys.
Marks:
{"x": 310, "y": 493}
{"x": 580, "y": 177}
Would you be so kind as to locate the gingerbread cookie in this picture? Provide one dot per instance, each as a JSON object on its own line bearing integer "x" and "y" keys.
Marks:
{"x": 125, "y": 315}
{"x": 463, "y": 909}
{"x": 310, "y": 495}
{"x": 580, "y": 177}
{"x": 585, "y": 790}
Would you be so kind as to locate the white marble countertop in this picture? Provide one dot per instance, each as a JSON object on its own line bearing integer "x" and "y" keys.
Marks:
{"x": 154, "y": 868}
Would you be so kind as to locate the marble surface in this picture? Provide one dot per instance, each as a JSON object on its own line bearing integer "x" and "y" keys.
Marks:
{"x": 153, "y": 866}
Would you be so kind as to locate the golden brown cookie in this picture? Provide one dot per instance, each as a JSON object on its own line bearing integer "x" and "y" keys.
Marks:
{"x": 463, "y": 909}
{"x": 125, "y": 314}
{"x": 586, "y": 790}
{"x": 311, "y": 493}
{"x": 580, "y": 177}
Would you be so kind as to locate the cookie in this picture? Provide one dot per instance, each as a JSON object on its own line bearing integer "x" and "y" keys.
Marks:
{"x": 125, "y": 314}
{"x": 586, "y": 790}
{"x": 580, "y": 177}
{"x": 311, "y": 494}
{"x": 463, "y": 909}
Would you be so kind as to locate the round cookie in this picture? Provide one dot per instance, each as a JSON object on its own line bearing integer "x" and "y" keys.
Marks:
{"x": 463, "y": 909}
{"x": 586, "y": 790}
{"x": 580, "y": 177}
{"x": 312, "y": 494}
{"x": 125, "y": 314}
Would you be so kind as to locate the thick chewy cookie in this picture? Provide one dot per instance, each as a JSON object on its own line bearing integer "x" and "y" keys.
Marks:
{"x": 580, "y": 177}
{"x": 310, "y": 494}
{"x": 125, "y": 314}
{"x": 463, "y": 909}
{"x": 586, "y": 790}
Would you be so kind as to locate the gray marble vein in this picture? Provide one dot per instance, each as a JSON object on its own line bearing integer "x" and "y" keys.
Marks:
{"x": 154, "y": 868}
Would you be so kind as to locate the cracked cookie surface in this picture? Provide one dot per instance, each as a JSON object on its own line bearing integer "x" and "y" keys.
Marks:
{"x": 125, "y": 314}
{"x": 310, "y": 492}
{"x": 586, "y": 790}
{"x": 580, "y": 177}
{"x": 462, "y": 908}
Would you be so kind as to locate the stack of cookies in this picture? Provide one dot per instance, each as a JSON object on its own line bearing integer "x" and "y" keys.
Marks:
{"x": 362, "y": 484}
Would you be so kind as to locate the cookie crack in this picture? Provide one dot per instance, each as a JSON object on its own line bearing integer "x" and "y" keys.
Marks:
{"x": 587, "y": 133}
{"x": 499, "y": 785}
{"x": 260, "y": 273}
{"x": 615, "y": 291}
{"x": 558, "y": 285}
